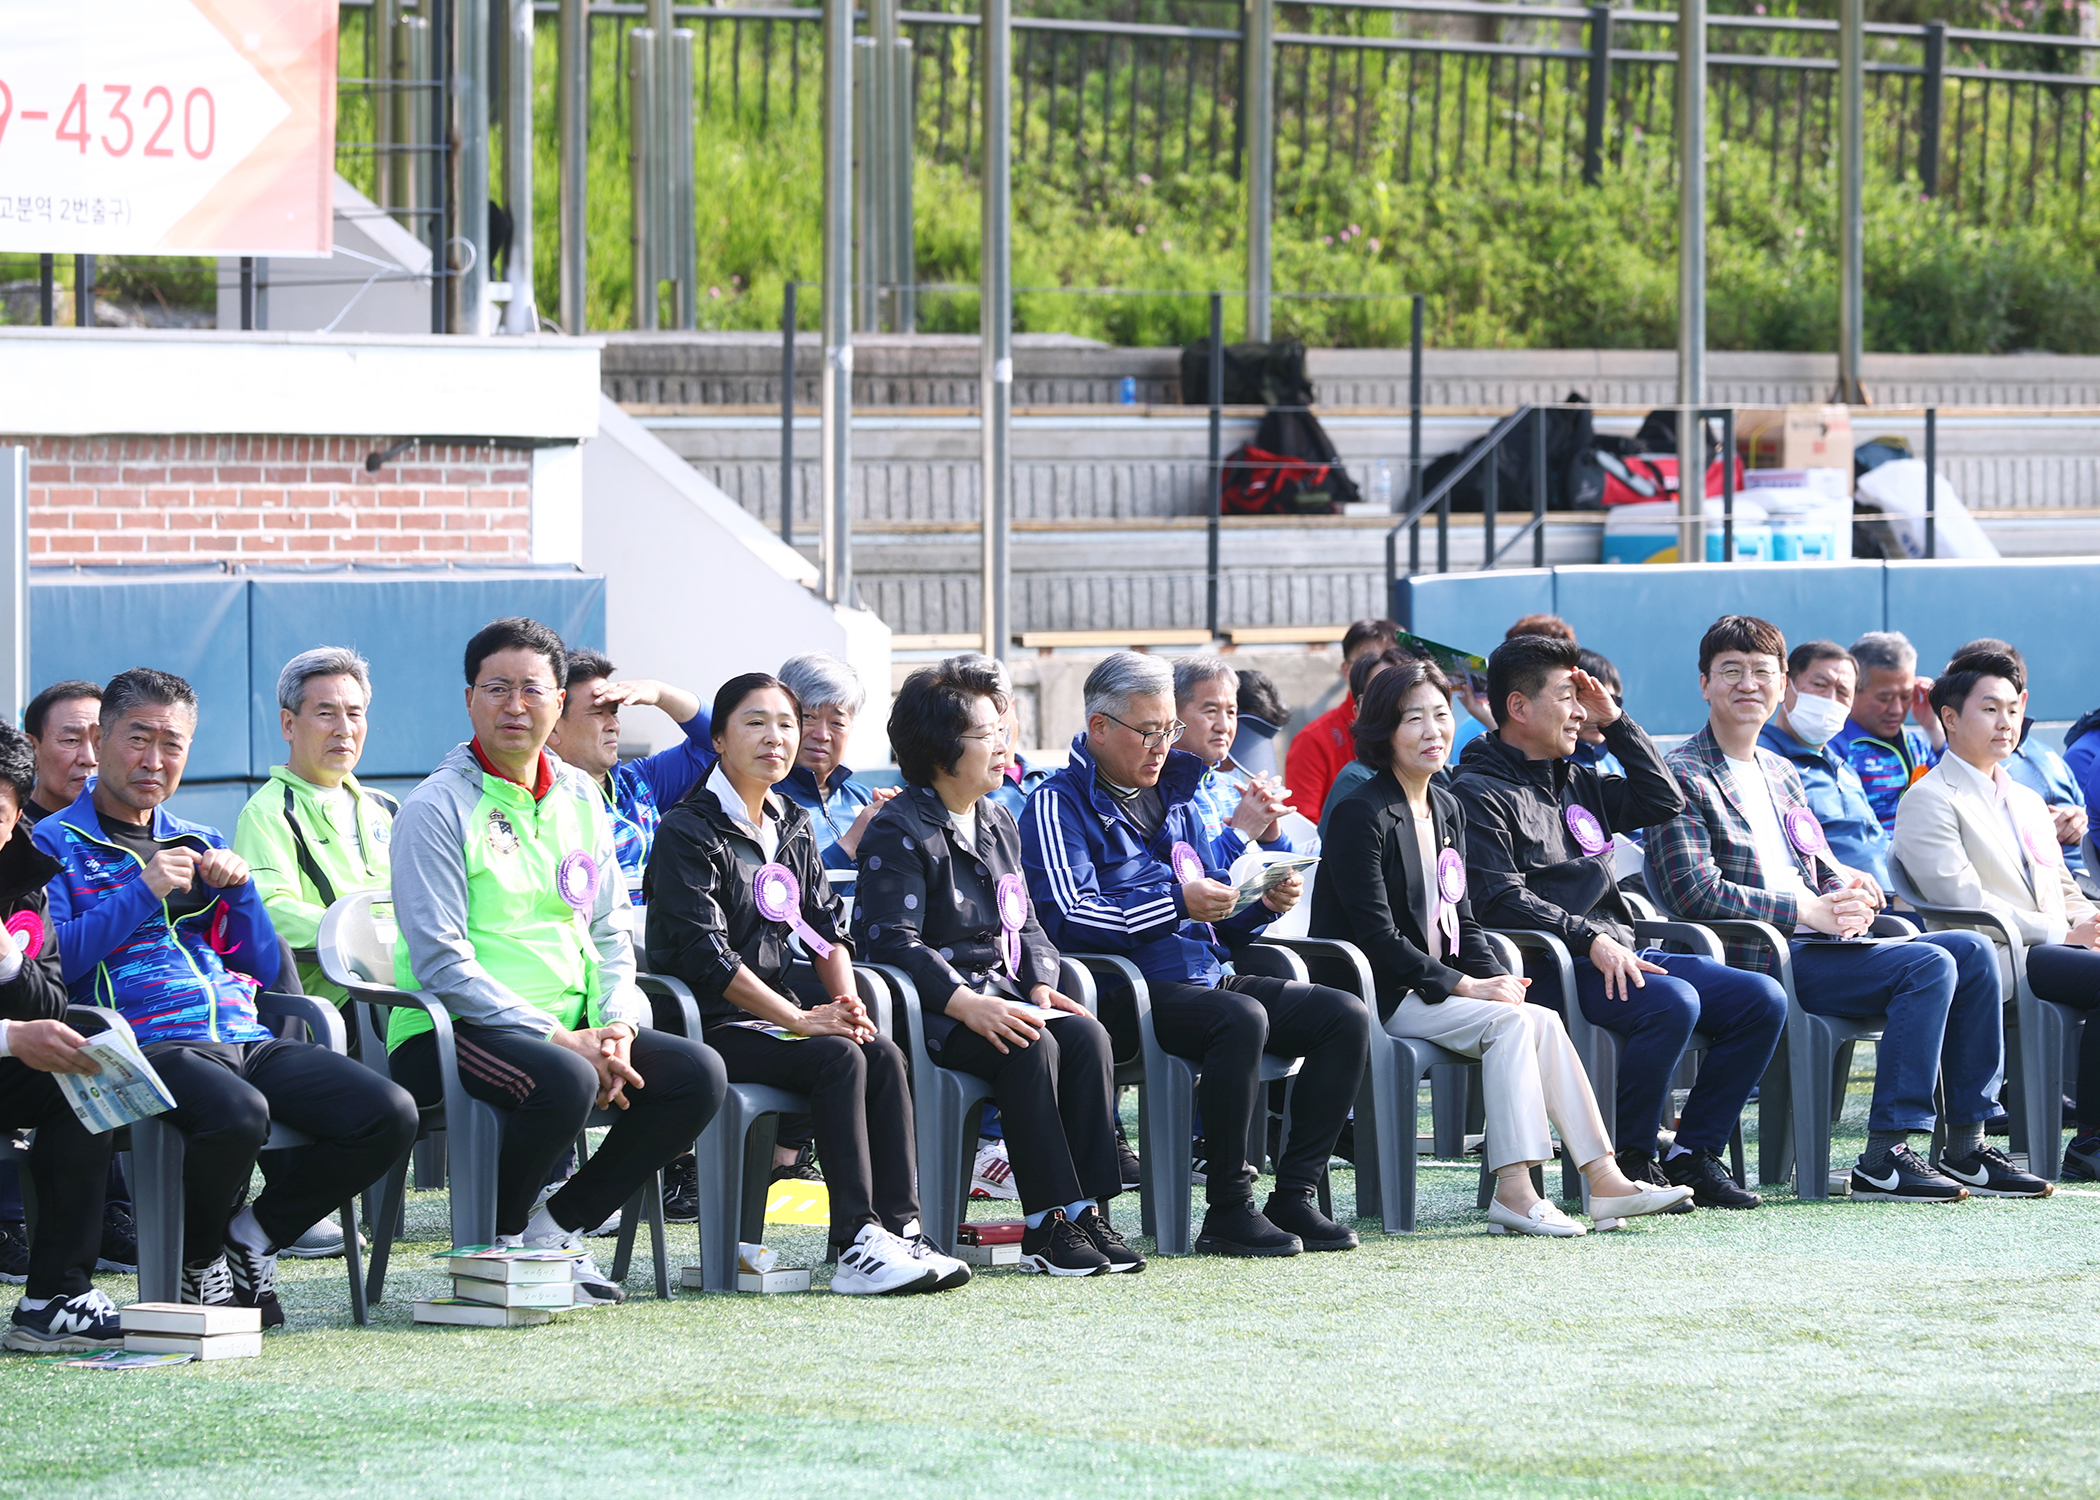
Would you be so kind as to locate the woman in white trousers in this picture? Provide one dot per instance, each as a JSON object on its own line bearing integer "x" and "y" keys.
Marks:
{"x": 1393, "y": 882}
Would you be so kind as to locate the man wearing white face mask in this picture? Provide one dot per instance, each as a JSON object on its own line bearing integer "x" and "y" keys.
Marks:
{"x": 1821, "y": 678}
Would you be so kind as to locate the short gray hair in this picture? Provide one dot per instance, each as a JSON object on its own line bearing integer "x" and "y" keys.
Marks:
{"x": 978, "y": 661}
{"x": 322, "y": 661}
{"x": 1191, "y": 672}
{"x": 1884, "y": 650}
{"x": 1117, "y": 679}
{"x": 818, "y": 681}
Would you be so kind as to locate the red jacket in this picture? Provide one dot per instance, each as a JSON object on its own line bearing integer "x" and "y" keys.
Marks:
{"x": 1317, "y": 754}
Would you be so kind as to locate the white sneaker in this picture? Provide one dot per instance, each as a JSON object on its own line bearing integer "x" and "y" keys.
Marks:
{"x": 993, "y": 1175}
{"x": 592, "y": 1286}
{"x": 879, "y": 1264}
{"x": 951, "y": 1273}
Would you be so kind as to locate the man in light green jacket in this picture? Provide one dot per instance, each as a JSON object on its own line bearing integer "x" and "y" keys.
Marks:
{"x": 312, "y": 835}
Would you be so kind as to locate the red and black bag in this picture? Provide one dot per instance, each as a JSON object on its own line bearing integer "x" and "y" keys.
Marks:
{"x": 1260, "y": 483}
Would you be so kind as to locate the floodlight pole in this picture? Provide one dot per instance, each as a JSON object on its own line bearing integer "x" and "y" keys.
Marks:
{"x": 1691, "y": 280}
{"x": 1852, "y": 200}
{"x": 837, "y": 541}
{"x": 996, "y": 323}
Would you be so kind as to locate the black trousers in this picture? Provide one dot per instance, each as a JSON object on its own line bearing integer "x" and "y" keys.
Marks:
{"x": 227, "y": 1093}
{"x": 548, "y": 1092}
{"x": 1225, "y": 1030}
{"x": 1056, "y": 1098}
{"x": 860, "y": 1104}
{"x": 2070, "y": 975}
{"x": 68, "y": 1167}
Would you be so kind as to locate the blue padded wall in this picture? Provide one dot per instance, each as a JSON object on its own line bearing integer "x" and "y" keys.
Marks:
{"x": 2044, "y": 606}
{"x": 1649, "y": 619}
{"x": 1471, "y": 610}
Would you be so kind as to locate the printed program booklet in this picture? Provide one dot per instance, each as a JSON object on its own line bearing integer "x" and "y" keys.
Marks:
{"x": 126, "y": 1091}
{"x": 1260, "y": 871}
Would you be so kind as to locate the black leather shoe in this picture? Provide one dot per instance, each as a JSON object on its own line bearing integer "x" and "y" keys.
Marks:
{"x": 1639, "y": 1168}
{"x": 1295, "y": 1212}
{"x": 1236, "y": 1229}
{"x": 1711, "y": 1186}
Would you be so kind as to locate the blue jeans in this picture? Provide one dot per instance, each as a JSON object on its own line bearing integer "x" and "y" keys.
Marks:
{"x": 1941, "y": 995}
{"x": 1740, "y": 1013}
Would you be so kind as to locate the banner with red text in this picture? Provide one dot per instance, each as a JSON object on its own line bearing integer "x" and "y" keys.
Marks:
{"x": 173, "y": 127}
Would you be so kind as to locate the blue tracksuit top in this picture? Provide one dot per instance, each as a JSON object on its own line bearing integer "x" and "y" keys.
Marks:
{"x": 640, "y": 789}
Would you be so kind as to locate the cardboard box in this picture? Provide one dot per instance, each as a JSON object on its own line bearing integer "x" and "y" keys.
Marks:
{"x": 1795, "y": 437}
{"x": 1008, "y": 1254}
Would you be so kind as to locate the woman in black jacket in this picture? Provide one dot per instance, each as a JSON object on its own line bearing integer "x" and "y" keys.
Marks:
{"x": 734, "y": 872}
{"x": 941, "y": 896}
{"x": 1393, "y": 882}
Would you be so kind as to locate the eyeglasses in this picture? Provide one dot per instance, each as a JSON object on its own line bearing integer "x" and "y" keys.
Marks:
{"x": 498, "y": 691}
{"x": 1152, "y": 737}
{"x": 1764, "y": 677}
{"x": 997, "y": 735}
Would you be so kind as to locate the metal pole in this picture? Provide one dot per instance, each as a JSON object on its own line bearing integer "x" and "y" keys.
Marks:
{"x": 904, "y": 259}
{"x": 681, "y": 249}
{"x": 868, "y": 238}
{"x": 262, "y": 289}
{"x": 387, "y": 173}
{"x": 1258, "y": 106}
{"x": 47, "y": 290}
{"x": 838, "y": 300}
{"x": 1691, "y": 280}
{"x": 1852, "y": 195}
{"x": 995, "y": 317}
{"x": 83, "y": 291}
{"x": 1929, "y": 106}
{"x": 573, "y": 101}
{"x": 643, "y": 159}
{"x": 522, "y": 313}
{"x": 1538, "y": 487}
{"x": 1414, "y": 430}
{"x": 247, "y": 293}
{"x": 1596, "y": 116}
{"x": 879, "y": 161}
{"x": 437, "y": 50}
{"x": 1217, "y": 452}
{"x": 787, "y": 414}
{"x": 1490, "y": 504}
{"x": 467, "y": 253}
{"x": 1728, "y": 484}
{"x": 14, "y": 579}
{"x": 1932, "y": 480}
{"x": 418, "y": 108}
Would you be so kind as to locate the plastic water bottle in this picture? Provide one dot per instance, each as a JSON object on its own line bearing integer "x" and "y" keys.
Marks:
{"x": 1126, "y": 392}
{"x": 1382, "y": 486}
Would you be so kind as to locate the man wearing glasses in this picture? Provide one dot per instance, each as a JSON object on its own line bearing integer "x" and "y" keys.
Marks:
{"x": 1748, "y": 846}
{"x": 1540, "y": 856}
{"x": 1119, "y": 861}
{"x": 513, "y": 911}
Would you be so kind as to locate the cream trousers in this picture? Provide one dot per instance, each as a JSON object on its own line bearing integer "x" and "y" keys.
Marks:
{"x": 1528, "y": 1071}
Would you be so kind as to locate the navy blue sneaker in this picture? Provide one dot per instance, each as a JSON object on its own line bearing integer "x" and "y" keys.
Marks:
{"x": 1991, "y": 1174}
{"x": 88, "y": 1321}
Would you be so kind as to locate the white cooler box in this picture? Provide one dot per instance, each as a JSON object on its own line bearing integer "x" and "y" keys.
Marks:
{"x": 1647, "y": 533}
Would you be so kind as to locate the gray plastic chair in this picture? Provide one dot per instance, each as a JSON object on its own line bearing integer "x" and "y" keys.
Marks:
{"x": 734, "y": 1154}
{"x": 2045, "y": 1032}
{"x": 158, "y": 1149}
{"x": 1167, "y": 1107}
{"x": 1812, "y": 1047}
{"x": 355, "y": 954}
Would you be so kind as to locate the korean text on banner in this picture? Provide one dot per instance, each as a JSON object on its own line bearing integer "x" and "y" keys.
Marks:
{"x": 180, "y": 127}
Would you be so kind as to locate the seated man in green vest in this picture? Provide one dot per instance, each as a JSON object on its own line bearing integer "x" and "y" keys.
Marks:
{"x": 312, "y": 833}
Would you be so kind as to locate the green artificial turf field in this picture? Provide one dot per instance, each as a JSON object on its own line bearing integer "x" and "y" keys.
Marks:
{"x": 1803, "y": 1349}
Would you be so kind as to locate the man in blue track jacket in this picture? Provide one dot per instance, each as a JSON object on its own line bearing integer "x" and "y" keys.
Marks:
{"x": 1101, "y": 842}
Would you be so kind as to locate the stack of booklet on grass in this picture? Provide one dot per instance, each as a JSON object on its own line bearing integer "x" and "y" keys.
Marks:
{"x": 497, "y": 1287}
{"x": 183, "y": 1328}
{"x": 990, "y": 1242}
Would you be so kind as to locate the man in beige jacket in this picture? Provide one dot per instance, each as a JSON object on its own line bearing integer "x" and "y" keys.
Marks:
{"x": 1968, "y": 835}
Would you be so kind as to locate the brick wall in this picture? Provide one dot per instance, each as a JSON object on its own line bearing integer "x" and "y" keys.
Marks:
{"x": 164, "y": 499}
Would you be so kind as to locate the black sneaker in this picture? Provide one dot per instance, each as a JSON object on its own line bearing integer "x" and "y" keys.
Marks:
{"x": 120, "y": 1240}
{"x": 254, "y": 1278}
{"x": 1295, "y": 1212}
{"x": 1901, "y": 1176}
{"x": 2081, "y": 1160}
{"x": 1711, "y": 1186}
{"x": 1093, "y": 1223}
{"x": 801, "y": 1169}
{"x": 1199, "y": 1161}
{"x": 1991, "y": 1174}
{"x": 1056, "y": 1247}
{"x": 208, "y": 1285}
{"x": 1998, "y": 1122}
{"x": 88, "y": 1321}
{"x": 14, "y": 1251}
{"x": 1236, "y": 1229}
{"x": 1639, "y": 1168}
{"x": 682, "y": 1191}
{"x": 1133, "y": 1172}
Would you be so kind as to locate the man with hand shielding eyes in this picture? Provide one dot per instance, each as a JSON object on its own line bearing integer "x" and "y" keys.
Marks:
{"x": 1119, "y": 860}
{"x": 513, "y": 911}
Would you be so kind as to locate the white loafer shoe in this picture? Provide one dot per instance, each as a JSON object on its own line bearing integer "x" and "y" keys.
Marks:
{"x": 1543, "y": 1219}
{"x": 1652, "y": 1200}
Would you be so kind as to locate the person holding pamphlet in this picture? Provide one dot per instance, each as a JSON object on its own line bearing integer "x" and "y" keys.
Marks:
{"x": 735, "y": 874}
{"x": 158, "y": 919}
{"x": 1395, "y": 886}
{"x": 942, "y": 897}
{"x": 67, "y": 1164}
{"x": 513, "y": 912}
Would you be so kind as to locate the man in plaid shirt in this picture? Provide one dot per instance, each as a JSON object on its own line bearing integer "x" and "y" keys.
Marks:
{"x": 1747, "y": 847}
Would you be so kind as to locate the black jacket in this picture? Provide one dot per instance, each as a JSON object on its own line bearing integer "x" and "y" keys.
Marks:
{"x": 702, "y": 914}
{"x": 1523, "y": 863}
{"x": 1371, "y": 892}
{"x": 38, "y": 990}
{"x": 926, "y": 902}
